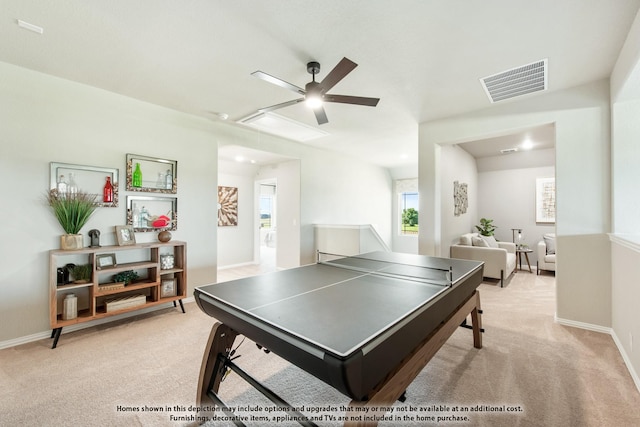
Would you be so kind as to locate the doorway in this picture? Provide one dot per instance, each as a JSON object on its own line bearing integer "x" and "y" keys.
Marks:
{"x": 267, "y": 220}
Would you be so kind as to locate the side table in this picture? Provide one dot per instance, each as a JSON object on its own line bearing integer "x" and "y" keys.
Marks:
{"x": 525, "y": 252}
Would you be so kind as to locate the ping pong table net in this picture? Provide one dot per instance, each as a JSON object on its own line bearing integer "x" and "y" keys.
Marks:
{"x": 376, "y": 267}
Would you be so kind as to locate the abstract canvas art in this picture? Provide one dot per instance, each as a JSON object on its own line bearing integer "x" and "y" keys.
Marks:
{"x": 546, "y": 200}
{"x": 460, "y": 198}
{"x": 227, "y": 206}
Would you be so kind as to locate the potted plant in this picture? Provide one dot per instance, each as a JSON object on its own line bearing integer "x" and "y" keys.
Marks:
{"x": 125, "y": 277}
{"x": 81, "y": 273}
{"x": 486, "y": 228}
{"x": 72, "y": 212}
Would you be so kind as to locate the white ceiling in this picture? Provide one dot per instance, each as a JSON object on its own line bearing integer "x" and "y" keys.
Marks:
{"x": 423, "y": 58}
{"x": 249, "y": 156}
{"x": 540, "y": 138}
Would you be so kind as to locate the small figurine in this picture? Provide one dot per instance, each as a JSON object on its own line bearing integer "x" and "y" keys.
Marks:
{"x": 95, "y": 238}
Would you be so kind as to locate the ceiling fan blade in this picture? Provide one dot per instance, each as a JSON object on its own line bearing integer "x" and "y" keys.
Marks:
{"x": 321, "y": 115}
{"x": 358, "y": 100}
{"x": 344, "y": 67}
{"x": 281, "y": 105}
{"x": 276, "y": 81}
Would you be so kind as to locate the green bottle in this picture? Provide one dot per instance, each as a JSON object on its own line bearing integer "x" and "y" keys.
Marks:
{"x": 137, "y": 176}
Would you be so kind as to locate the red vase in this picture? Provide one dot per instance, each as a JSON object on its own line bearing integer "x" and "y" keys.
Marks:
{"x": 107, "y": 195}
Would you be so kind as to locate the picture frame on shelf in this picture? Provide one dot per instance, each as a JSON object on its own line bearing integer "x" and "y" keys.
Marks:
{"x": 125, "y": 235}
{"x": 104, "y": 261}
{"x": 87, "y": 179}
{"x": 151, "y": 174}
{"x": 168, "y": 288}
{"x": 152, "y": 213}
{"x": 167, "y": 261}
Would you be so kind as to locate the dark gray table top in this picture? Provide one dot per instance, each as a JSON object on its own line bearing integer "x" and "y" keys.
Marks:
{"x": 339, "y": 306}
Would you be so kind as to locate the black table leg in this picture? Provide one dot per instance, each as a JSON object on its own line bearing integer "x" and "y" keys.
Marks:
{"x": 181, "y": 305}
{"x": 55, "y": 334}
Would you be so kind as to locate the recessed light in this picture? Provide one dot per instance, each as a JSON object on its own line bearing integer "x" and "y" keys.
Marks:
{"x": 527, "y": 144}
{"x": 509, "y": 150}
{"x": 239, "y": 159}
{"x": 30, "y": 27}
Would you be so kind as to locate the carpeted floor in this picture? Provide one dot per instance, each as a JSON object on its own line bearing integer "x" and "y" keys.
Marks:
{"x": 144, "y": 372}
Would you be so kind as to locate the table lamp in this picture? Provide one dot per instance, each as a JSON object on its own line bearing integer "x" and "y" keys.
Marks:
{"x": 513, "y": 231}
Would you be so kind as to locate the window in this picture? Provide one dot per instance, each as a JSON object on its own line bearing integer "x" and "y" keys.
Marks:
{"x": 407, "y": 206}
{"x": 409, "y": 213}
{"x": 267, "y": 206}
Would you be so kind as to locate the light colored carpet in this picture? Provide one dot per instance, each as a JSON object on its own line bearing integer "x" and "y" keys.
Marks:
{"x": 556, "y": 374}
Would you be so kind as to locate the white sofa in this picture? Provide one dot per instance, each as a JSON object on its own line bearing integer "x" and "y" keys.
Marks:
{"x": 499, "y": 257}
{"x": 546, "y": 251}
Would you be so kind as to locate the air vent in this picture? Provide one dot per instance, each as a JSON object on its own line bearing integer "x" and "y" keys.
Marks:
{"x": 508, "y": 150}
{"x": 516, "y": 81}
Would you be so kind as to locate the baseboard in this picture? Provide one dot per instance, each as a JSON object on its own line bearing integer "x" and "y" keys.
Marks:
{"x": 582, "y": 325}
{"x": 243, "y": 264}
{"x": 24, "y": 340}
{"x": 616, "y": 340}
{"x": 627, "y": 360}
{"x": 47, "y": 334}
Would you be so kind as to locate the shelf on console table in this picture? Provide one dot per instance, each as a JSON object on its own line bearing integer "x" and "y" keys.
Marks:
{"x": 91, "y": 299}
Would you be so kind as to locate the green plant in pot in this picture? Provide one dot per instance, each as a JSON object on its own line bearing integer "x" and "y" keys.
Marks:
{"x": 125, "y": 276}
{"x": 486, "y": 227}
{"x": 81, "y": 273}
{"x": 72, "y": 212}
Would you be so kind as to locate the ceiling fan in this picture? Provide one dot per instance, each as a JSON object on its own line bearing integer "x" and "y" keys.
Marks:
{"x": 315, "y": 93}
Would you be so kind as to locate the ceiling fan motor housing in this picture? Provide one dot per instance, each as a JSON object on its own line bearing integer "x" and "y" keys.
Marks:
{"x": 313, "y": 67}
{"x": 312, "y": 88}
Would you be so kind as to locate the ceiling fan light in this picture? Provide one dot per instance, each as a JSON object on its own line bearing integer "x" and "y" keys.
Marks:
{"x": 313, "y": 101}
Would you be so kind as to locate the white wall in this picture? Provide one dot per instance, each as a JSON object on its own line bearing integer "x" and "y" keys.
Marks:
{"x": 235, "y": 243}
{"x": 456, "y": 165}
{"x": 625, "y": 77}
{"x": 625, "y": 162}
{"x": 625, "y": 243}
{"x": 581, "y": 116}
{"x": 47, "y": 119}
{"x": 509, "y": 198}
{"x": 338, "y": 190}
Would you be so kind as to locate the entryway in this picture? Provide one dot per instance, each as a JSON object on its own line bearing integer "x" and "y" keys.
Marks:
{"x": 267, "y": 224}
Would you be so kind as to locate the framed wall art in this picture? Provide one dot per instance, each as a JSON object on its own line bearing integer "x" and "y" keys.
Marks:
{"x": 227, "y": 206}
{"x": 546, "y": 200}
{"x": 151, "y": 174}
{"x": 460, "y": 198}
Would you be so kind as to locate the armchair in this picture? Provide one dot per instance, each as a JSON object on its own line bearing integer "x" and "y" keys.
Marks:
{"x": 546, "y": 251}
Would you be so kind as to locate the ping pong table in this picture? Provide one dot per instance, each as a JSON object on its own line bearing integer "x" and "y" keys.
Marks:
{"x": 365, "y": 324}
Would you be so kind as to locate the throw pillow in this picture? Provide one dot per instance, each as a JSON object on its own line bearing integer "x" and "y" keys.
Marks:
{"x": 465, "y": 239}
{"x": 491, "y": 241}
{"x": 480, "y": 242}
{"x": 551, "y": 244}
